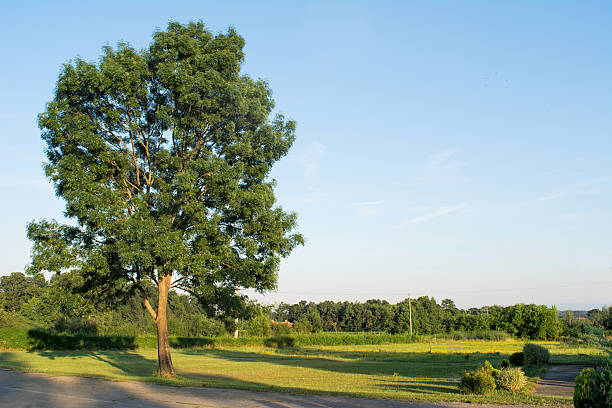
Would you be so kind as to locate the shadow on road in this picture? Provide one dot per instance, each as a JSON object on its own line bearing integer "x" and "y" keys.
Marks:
{"x": 18, "y": 389}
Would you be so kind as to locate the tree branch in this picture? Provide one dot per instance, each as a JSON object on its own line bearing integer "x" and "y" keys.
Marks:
{"x": 173, "y": 284}
{"x": 150, "y": 309}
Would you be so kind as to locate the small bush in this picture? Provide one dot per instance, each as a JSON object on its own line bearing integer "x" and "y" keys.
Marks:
{"x": 535, "y": 355}
{"x": 477, "y": 382}
{"x": 504, "y": 363}
{"x": 489, "y": 369}
{"x": 280, "y": 342}
{"x": 481, "y": 381}
{"x": 582, "y": 388}
{"x": 511, "y": 379}
{"x": 517, "y": 359}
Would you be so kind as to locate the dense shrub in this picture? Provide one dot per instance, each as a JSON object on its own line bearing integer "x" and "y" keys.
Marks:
{"x": 12, "y": 338}
{"x": 511, "y": 378}
{"x": 480, "y": 381}
{"x": 40, "y": 339}
{"x": 73, "y": 326}
{"x": 535, "y": 355}
{"x": 207, "y": 327}
{"x": 517, "y": 359}
{"x": 593, "y": 389}
{"x": 582, "y": 388}
{"x": 504, "y": 363}
{"x": 601, "y": 393}
{"x": 280, "y": 329}
{"x": 13, "y": 320}
{"x": 258, "y": 325}
{"x": 280, "y": 342}
{"x": 477, "y": 382}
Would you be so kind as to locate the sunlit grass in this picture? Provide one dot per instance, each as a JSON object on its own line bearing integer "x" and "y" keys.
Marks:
{"x": 402, "y": 371}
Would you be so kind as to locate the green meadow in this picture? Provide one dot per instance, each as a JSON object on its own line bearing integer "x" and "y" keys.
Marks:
{"x": 417, "y": 371}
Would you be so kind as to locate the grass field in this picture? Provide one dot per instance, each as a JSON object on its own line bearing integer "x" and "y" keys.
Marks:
{"x": 400, "y": 371}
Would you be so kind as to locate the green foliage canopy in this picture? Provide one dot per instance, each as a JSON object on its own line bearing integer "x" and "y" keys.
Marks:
{"x": 163, "y": 157}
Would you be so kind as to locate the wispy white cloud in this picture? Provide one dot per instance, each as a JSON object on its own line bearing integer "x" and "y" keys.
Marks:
{"x": 440, "y": 158}
{"x": 594, "y": 186}
{"x": 310, "y": 161}
{"x": 366, "y": 203}
{"x": 438, "y": 212}
{"x": 367, "y": 208}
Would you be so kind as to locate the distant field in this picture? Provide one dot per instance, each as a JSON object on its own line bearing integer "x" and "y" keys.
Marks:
{"x": 560, "y": 353}
{"x": 401, "y": 371}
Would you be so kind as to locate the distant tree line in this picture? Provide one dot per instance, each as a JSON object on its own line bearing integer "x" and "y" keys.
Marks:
{"x": 428, "y": 317}
{"x": 64, "y": 305}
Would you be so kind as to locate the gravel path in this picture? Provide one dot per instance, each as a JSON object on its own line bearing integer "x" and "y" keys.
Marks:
{"x": 558, "y": 381}
{"x": 29, "y": 390}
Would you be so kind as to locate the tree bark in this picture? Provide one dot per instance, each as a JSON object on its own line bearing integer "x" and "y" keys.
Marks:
{"x": 164, "y": 360}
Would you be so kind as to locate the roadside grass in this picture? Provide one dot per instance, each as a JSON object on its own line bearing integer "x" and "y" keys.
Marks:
{"x": 396, "y": 371}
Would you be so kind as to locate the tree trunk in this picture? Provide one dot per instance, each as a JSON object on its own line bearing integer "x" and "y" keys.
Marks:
{"x": 164, "y": 361}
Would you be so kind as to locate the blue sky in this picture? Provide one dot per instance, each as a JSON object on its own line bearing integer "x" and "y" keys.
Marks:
{"x": 453, "y": 149}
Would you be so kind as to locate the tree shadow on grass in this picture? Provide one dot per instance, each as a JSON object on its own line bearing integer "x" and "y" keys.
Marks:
{"x": 420, "y": 386}
{"x": 418, "y": 365}
{"x": 127, "y": 362}
{"x": 55, "y": 392}
{"x": 41, "y": 339}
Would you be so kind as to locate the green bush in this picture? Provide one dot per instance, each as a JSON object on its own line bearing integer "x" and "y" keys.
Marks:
{"x": 73, "y": 326}
{"x": 535, "y": 355}
{"x": 511, "y": 379}
{"x": 280, "y": 342}
{"x": 582, "y": 388}
{"x": 13, "y": 338}
{"x": 517, "y": 359}
{"x": 601, "y": 393}
{"x": 489, "y": 369}
{"x": 504, "y": 363}
{"x": 40, "y": 339}
{"x": 593, "y": 389}
{"x": 259, "y": 325}
{"x": 208, "y": 327}
{"x": 13, "y": 320}
{"x": 477, "y": 382}
{"x": 280, "y": 329}
{"x": 480, "y": 381}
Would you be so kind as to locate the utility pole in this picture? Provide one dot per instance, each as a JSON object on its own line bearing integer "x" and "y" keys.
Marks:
{"x": 236, "y": 331}
{"x": 410, "y": 313}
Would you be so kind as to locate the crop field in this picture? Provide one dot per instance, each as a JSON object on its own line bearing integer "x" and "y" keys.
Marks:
{"x": 398, "y": 371}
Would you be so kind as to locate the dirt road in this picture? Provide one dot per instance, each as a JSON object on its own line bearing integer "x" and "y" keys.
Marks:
{"x": 29, "y": 390}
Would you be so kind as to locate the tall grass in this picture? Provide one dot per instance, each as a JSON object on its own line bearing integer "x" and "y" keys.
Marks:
{"x": 475, "y": 335}
{"x": 44, "y": 339}
{"x": 345, "y": 339}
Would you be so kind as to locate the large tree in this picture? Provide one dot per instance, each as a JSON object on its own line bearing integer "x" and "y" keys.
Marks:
{"x": 163, "y": 159}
